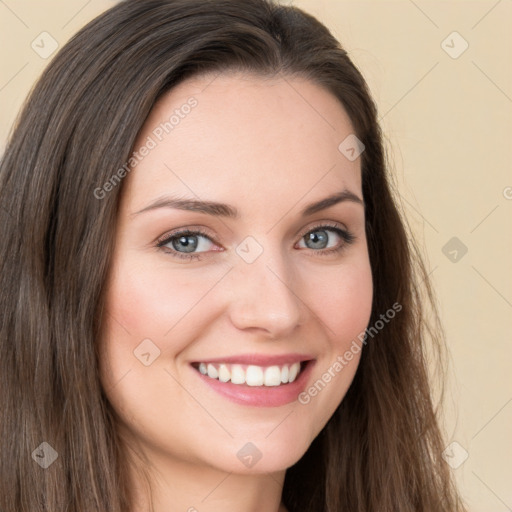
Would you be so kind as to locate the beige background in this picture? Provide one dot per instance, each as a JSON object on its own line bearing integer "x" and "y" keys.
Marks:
{"x": 448, "y": 121}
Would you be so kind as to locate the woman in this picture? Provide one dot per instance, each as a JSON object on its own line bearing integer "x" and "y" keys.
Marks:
{"x": 209, "y": 299}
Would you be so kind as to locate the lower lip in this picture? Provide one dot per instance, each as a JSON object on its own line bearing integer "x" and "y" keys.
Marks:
{"x": 261, "y": 396}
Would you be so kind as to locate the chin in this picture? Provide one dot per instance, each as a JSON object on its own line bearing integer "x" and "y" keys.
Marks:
{"x": 259, "y": 456}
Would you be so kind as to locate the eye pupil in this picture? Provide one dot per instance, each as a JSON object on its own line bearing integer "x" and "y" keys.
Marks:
{"x": 188, "y": 243}
{"x": 317, "y": 239}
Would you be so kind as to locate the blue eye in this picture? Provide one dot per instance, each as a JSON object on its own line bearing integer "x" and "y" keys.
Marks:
{"x": 331, "y": 238}
{"x": 187, "y": 244}
{"x": 192, "y": 244}
{"x": 317, "y": 239}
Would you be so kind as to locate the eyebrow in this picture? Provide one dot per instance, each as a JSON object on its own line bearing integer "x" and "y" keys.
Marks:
{"x": 323, "y": 204}
{"x": 225, "y": 210}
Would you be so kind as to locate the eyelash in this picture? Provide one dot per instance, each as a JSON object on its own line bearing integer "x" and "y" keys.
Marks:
{"x": 347, "y": 237}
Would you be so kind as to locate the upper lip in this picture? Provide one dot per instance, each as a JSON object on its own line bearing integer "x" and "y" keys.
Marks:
{"x": 259, "y": 359}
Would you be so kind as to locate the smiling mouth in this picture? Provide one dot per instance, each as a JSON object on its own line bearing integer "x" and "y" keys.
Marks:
{"x": 252, "y": 375}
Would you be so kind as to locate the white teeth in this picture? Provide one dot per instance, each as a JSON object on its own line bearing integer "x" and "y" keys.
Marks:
{"x": 294, "y": 370}
{"x": 252, "y": 375}
{"x": 237, "y": 374}
{"x": 212, "y": 371}
{"x": 224, "y": 373}
{"x": 272, "y": 376}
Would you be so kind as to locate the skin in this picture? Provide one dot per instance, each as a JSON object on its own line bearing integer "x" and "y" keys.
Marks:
{"x": 268, "y": 147}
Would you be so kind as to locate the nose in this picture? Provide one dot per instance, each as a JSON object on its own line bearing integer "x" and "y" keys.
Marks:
{"x": 262, "y": 298}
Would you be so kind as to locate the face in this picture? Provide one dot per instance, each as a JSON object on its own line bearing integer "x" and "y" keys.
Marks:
{"x": 231, "y": 273}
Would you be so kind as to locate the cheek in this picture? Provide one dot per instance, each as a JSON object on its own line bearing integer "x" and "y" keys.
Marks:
{"x": 151, "y": 309}
{"x": 156, "y": 302}
{"x": 342, "y": 300}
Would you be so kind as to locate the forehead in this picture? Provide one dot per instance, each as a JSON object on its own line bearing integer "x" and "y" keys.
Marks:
{"x": 244, "y": 139}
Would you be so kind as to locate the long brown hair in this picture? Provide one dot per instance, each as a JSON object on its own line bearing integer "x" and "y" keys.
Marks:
{"x": 380, "y": 451}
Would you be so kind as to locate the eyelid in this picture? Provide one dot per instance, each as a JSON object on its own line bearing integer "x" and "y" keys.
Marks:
{"x": 201, "y": 230}
{"x": 347, "y": 236}
{"x": 321, "y": 224}
{"x": 190, "y": 230}
{"x": 163, "y": 240}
